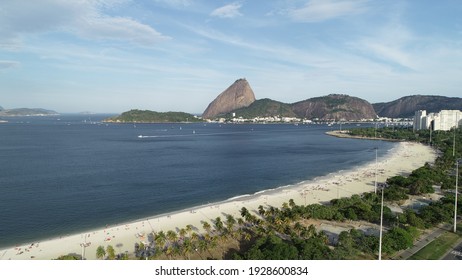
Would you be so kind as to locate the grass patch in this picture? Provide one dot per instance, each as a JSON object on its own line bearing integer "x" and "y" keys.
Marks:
{"x": 438, "y": 247}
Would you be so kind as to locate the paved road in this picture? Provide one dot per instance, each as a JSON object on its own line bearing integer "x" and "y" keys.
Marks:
{"x": 455, "y": 253}
{"x": 424, "y": 240}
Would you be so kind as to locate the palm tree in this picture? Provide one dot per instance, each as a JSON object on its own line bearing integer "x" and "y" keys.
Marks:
{"x": 211, "y": 241}
{"x": 202, "y": 246}
{"x": 272, "y": 211}
{"x": 250, "y": 218}
{"x": 206, "y": 226}
{"x": 230, "y": 222}
{"x": 110, "y": 252}
{"x": 160, "y": 239}
{"x": 170, "y": 251}
{"x": 194, "y": 236}
{"x": 261, "y": 210}
{"x": 100, "y": 252}
{"x": 312, "y": 230}
{"x": 260, "y": 230}
{"x": 298, "y": 227}
{"x": 244, "y": 212}
{"x": 182, "y": 233}
{"x": 292, "y": 203}
{"x": 218, "y": 224}
{"x": 247, "y": 236}
{"x": 279, "y": 224}
{"x": 240, "y": 222}
{"x": 172, "y": 237}
{"x": 187, "y": 247}
{"x": 189, "y": 229}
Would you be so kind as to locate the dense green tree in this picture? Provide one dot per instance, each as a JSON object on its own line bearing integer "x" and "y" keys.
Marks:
{"x": 69, "y": 257}
{"x": 396, "y": 239}
{"x": 272, "y": 247}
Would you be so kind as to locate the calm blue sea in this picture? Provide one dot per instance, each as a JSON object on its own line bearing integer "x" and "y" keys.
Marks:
{"x": 71, "y": 173}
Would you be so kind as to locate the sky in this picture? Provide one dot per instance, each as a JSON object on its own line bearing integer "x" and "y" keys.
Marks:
{"x": 178, "y": 55}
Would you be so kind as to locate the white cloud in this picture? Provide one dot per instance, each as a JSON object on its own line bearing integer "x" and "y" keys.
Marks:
{"x": 5, "y": 64}
{"x": 228, "y": 11}
{"x": 393, "y": 44}
{"x": 322, "y": 10}
{"x": 84, "y": 18}
{"x": 120, "y": 29}
{"x": 175, "y": 3}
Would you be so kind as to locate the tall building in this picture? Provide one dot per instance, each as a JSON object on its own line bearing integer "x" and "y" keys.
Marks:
{"x": 444, "y": 120}
{"x": 420, "y": 120}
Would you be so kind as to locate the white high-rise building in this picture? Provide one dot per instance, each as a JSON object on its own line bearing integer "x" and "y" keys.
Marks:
{"x": 419, "y": 120}
{"x": 444, "y": 120}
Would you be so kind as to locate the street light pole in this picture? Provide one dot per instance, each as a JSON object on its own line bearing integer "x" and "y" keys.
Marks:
{"x": 430, "y": 133}
{"x": 375, "y": 184}
{"x": 454, "y": 140}
{"x": 455, "y": 202}
{"x": 454, "y": 143}
{"x": 381, "y": 226}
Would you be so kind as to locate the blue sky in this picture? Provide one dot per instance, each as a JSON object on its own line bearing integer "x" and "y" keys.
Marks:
{"x": 178, "y": 55}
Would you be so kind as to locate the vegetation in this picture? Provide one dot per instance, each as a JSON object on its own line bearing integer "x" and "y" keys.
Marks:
{"x": 100, "y": 252}
{"x": 264, "y": 108}
{"x": 26, "y": 112}
{"x": 69, "y": 257}
{"x": 146, "y": 116}
{"x": 438, "y": 247}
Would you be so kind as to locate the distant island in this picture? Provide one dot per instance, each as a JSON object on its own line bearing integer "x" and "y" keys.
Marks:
{"x": 26, "y": 112}
{"x": 146, "y": 116}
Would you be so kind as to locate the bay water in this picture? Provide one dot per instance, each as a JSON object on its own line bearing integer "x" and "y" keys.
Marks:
{"x": 72, "y": 173}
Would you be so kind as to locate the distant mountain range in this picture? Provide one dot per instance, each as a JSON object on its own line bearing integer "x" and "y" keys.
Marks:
{"x": 19, "y": 112}
{"x": 239, "y": 100}
{"x": 406, "y": 106}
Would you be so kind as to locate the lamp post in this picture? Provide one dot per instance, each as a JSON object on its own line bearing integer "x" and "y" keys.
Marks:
{"x": 84, "y": 245}
{"x": 381, "y": 223}
{"x": 455, "y": 201}
{"x": 454, "y": 143}
{"x": 430, "y": 133}
{"x": 454, "y": 140}
{"x": 375, "y": 184}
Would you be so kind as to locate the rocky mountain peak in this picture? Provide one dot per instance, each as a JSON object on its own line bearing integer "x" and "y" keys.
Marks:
{"x": 406, "y": 106}
{"x": 236, "y": 96}
{"x": 334, "y": 107}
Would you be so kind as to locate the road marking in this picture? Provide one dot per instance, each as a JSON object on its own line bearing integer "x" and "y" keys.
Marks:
{"x": 457, "y": 253}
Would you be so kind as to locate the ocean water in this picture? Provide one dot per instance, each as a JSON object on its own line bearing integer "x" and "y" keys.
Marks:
{"x": 70, "y": 173}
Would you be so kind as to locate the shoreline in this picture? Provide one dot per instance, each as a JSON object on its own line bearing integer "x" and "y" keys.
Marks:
{"x": 342, "y": 134}
{"x": 402, "y": 159}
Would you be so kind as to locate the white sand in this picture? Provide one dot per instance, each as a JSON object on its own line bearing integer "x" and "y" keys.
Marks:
{"x": 404, "y": 158}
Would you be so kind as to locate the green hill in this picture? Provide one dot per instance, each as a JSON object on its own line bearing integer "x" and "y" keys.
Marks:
{"x": 264, "y": 108}
{"x": 146, "y": 116}
{"x": 19, "y": 112}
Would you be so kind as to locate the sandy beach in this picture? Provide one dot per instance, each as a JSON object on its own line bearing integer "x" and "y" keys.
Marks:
{"x": 401, "y": 160}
